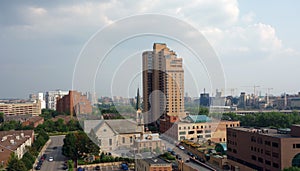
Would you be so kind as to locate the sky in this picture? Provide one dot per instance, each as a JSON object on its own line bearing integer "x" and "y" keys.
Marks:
{"x": 256, "y": 42}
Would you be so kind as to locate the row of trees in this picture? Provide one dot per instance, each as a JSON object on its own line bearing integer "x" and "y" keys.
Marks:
{"x": 14, "y": 125}
{"x": 59, "y": 126}
{"x": 269, "y": 119}
{"x": 28, "y": 159}
{"x": 77, "y": 145}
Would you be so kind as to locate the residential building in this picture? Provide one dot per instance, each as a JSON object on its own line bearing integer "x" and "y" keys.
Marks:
{"x": 51, "y": 97}
{"x": 163, "y": 84}
{"x": 74, "y": 104}
{"x": 33, "y": 121}
{"x": 14, "y": 142}
{"x": 20, "y": 108}
{"x": 263, "y": 149}
{"x": 199, "y": 128}
{"x": 153, "y": 164}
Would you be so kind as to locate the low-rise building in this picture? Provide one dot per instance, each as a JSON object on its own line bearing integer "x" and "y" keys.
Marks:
{"x": 153, "y": 164}
{"x": 21, "y": 108}
{"x": 14, "y": 142}
{"x": 199, "y": 128}
{"x": 33, "y": 121}
{"x": 148, "y": 142}
{"x": 263, "y": 149}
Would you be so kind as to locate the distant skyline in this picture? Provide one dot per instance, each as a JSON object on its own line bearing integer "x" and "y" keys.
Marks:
{"x": 257, "y": 42}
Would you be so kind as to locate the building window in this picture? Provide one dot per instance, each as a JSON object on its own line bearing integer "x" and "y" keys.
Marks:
{"x": 130, "y": 139}
{"x": 199, "y": 131}
{"x": 261, "y": 160}
{"x": 199, "y": 136}
{"x": 234, "y": 151}
{"x": 296, "y": 145}
{"x": 275, "y": 165}
{"x": 274, "y": 144}
{"x": 268, "y": 143}
{"x": 253, "y": 157}
{"x": 191, "y": 132}
{"x": 182, "y": 133}
{"x": 110, "y": 141}
{"x": 275, "y": 155}
{"x": 123, "y": 140}
{"x": 267, "y": 162}
{"x": 207, "y": 131}
{"x": 267, "y": 152}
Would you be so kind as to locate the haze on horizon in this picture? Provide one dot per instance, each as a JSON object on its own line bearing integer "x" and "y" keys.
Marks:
{"x": 257, "y": 42}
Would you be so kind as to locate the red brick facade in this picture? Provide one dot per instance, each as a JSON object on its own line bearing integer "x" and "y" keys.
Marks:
{"x": 74, "y": 103}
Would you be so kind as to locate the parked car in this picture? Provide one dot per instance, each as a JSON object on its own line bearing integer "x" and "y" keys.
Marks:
{"x": 38, "y": 167}
{"x": 50, "y": 159}
{"x": 181, "y": 147}
{"x": 173, "y": 153}
{"x": 190, "y": 154}
{"x": 97, "y": 168}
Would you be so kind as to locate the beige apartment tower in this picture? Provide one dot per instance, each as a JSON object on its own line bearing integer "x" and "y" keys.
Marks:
{"x": 163, "y": 84}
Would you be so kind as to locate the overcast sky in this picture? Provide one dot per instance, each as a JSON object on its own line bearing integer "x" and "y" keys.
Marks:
{"x": 257, "y": 41}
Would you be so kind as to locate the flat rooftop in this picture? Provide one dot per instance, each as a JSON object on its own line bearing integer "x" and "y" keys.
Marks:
{"x": 279, "y": 133}
{"x": 156, "y": 160}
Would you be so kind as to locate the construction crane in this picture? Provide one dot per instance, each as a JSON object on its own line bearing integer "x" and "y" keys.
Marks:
{"x": 232, "y": 91}
{"x": 254, "y": 88}
{"x": 268, "y": 95}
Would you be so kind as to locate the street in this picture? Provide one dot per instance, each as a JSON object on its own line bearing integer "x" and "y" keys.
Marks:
{"x": 54, "y": 150}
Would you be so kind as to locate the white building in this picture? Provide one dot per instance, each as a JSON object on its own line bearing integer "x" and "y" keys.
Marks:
{"x": 51, "y": 97}
{"x": 41, "y": 99}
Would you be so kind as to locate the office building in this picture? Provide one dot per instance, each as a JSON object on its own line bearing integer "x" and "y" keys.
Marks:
{"x": 263, "y": 149}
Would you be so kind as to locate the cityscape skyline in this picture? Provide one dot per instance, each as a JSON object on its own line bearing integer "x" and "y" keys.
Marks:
{"x": 242, "y": 34}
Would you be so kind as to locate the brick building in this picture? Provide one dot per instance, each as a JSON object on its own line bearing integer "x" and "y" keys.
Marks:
{"x": 263, "y": 149}
{"x": 14, "y": 141}
{"x": 74, "y": 103}
{"x": 153, "y": 164}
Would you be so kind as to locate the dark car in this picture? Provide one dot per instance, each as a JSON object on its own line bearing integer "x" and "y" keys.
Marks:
{"x": 178, "y": 157}
{"x": 97, "y": 168}
{"x": 173, "y": 153}
{"x": 65, "y": 167}
{"x": 190, "y": 154}
{"x": 38, "y": 167}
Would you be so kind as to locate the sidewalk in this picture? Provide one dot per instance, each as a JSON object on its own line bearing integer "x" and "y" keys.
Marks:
{"x": 41, "y": 153}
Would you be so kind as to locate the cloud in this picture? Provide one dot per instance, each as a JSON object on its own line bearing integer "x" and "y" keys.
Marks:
{"x": 253, "y": 41}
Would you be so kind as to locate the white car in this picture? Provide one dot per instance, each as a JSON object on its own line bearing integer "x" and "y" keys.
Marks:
{"x": 50, "y": 159}
{"x": 181, "y": 147}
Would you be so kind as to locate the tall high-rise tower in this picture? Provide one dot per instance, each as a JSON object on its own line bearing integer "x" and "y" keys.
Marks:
{"x": 163, "y": 84}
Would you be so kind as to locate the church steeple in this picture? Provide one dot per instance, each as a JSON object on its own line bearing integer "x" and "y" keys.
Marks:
{"x": 138, "y": 100}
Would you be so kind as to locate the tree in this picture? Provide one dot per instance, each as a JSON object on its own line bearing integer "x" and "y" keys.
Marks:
{"x": 1, "y": 117}
{"x": 292, "y": 169}
{"x": 69, "y": 148}
{"x": 14, "y": 164}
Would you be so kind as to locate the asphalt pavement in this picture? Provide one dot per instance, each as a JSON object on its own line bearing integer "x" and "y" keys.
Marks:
{"x": 54, "y": 150}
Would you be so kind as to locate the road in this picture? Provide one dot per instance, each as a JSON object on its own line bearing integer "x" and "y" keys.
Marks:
{"x": 54, "y": 150}
{"x": 183, "y": 155}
